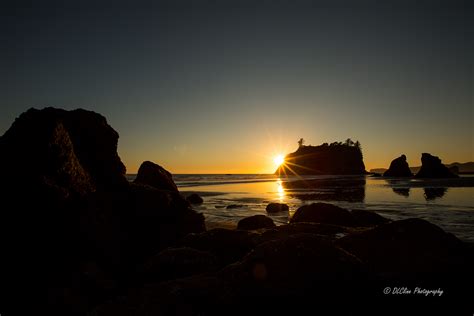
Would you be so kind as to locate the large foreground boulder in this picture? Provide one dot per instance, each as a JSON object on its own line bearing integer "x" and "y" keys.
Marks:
{"x": 228, "y": 245}
{"x": 368, "y": 218}
{"x": 156, "y": 176}
{"x": 410, "y": 249}
{"x": 174, "y": 263}
{"x": 398, "y": 168}
{"x": 57, "y": 145}
{"x": 69, "y": 206}
{"x": 297, "y": 262}
{"x": 431, "y": 167}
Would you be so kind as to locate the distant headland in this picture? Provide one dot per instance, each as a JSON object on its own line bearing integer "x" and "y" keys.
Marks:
{"x": 338, "y": 158}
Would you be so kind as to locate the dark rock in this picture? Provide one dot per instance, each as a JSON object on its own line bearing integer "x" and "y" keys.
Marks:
{"x": 176, "y": 263}
{"x": 155, "y": 219}
{"x": 323, "y": 213}
{"x": 277, "y": 207}
{"x": 407, "y": 249}
{"x": 56, "y": 160}
{"x": 194, "y": 199}
{"x": 124, "y": 228}
{"x": 398, "y": 168}
{"x": 255, "y": 222}
{"x": 73, "y": 151}
{"x": 368, "y": 218}
{"x": 292, "y": 267}
{"x": 70, "y": 203}
{"x": 228, "y": 245}
{"x": 156, "y": 176}
{"x": 94, "y": 143}
{"x": 431, "y": 167}
{"x": 335, "y": 159}
{"x": 298, "y": 268}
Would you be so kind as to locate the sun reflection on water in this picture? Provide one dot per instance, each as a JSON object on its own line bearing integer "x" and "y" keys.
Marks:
{"x": 280, "y": 190}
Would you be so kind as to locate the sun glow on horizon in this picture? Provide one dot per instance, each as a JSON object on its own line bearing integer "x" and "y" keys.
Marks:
{"x": 279, "y": 160}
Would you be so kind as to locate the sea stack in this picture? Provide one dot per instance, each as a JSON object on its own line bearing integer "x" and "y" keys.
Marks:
{"x": 431, "y": 167}
{"x": 332, "y": 159}
{"x": 398, "y": 168}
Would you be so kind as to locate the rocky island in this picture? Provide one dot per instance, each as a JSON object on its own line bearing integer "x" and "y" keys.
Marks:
{"x": 327, "y": 159}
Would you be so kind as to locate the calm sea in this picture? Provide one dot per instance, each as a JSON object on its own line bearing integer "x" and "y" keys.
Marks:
{"x": 447, "y": 203}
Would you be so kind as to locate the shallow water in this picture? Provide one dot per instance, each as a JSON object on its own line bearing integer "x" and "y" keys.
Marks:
{"x": 447, "y": 203}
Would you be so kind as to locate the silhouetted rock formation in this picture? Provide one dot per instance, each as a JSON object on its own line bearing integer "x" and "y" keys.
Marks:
{"x": 398, "y": 168}
{"x": 277, "y": 207}
{"x": 255, "y": 222}
{"x": 194, "y": 199}
{"x": 228, "y": 245}
{"x": 336, "y": 159}
{"x": 297, "y": 263}
{"x": 368, "y": 218}
{"x": 431, "y": 167}
{"x": 412, "y": 249}
{"x": 323, "y": 213}
{"x": 293, "y": 267}
{"x": 70, "y": 204}
{"x": 64, "y": 151}
{"x": 457, "y": 168}
{"x": 156, "y": 176}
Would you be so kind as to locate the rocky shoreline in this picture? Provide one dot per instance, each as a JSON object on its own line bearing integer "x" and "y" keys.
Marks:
{"x": 79, "y": 239}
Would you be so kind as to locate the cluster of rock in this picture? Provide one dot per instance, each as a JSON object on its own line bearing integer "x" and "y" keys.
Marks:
{"x": 78, "y": 238}
{"x": 431, "y": 167}
{"x": 324, "y": 256}
{"x": 73, "y": 228}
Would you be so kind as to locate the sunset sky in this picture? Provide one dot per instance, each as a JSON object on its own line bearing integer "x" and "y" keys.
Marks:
{"x": 224, "y": 86}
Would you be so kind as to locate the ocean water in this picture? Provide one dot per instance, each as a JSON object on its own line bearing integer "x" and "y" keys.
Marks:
{"x": 448, "y": 203}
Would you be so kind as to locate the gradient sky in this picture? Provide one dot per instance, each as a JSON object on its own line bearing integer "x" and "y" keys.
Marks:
{"x": 223, "y": 86}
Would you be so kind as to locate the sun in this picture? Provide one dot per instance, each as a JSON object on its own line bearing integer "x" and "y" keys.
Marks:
{"x": 279, "y": 160}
